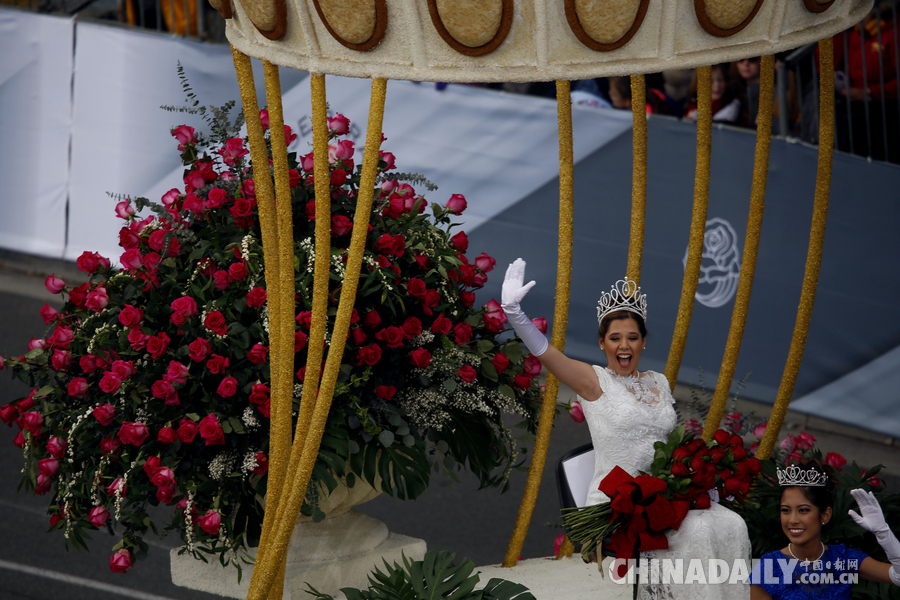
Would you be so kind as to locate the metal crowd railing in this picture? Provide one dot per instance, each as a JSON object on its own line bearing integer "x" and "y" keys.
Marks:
{"x": 867, "y": 103}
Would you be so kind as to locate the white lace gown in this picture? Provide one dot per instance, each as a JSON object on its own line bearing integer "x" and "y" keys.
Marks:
{"x": 634, "y": 412}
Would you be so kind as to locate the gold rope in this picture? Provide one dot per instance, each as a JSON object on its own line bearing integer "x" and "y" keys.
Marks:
{"x": 814, "y": 255}
{"x": 751, "y": 247}
{"x": 560, "y": 318}
{"x": 698, "y": 225}
{"x": 289, "y": 510}
{"x": 638, "y": 177}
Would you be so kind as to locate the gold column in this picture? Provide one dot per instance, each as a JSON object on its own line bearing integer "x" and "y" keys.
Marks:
{"x": 290, "y": 509}
{"x": 638, "y": 177}
{"x": 751, "y": 247}
{"x": 560, "y": 318}
{"x": 698, "y": 225}
{"x": 814, "y": 255}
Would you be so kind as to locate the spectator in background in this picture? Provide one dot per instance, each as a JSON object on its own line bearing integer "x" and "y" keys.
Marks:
{"x": 866, "y": 78}
{"x": 745, "y": 74}
{"x": 620, "y": 96}
{"x": 676, "y": 84}
{"x": 725, "y": 107}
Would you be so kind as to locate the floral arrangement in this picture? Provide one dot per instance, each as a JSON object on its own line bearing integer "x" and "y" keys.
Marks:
{"x": 151, "y": 384}
{"x": 641, "y": 509}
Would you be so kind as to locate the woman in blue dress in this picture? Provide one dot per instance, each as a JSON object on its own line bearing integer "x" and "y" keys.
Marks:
{"x": 808, "y": 569}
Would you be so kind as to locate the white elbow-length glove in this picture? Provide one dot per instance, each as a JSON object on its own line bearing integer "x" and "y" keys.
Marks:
{"x": 511, "y": 295}
{"x": 872, "y": 519}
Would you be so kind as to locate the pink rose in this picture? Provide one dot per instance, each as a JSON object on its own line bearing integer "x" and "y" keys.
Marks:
{"x": 97, "y": 299}
{"x": 163, "y": 476}
{"x": 237, "y": 271}
{"x": 56, "y": 447}
{"x": 257, "y": 354}
{"x": 576, "y": 412}
{"x": 123, "y": 368}
{"x": 221, "y": 280}
{"x": 166, "y": 493}
{"x": 467, "y": 373}
{"x": 137, "y": 339}
{"x": 166, "y": 435}
{"x": 211, "y": 431}
{"x": 457, "y": 204}
{"x": 161, "y": 388}
{"x": 132, "y": 259}
{"x": 339, "y": 124}
{"x": 9, "y": 414}
{"x": 48, "y": 314}
{"x": 199, "y": 349}
{"x": 187, "y": 430}
{"x": 168, "y": 199}
{"x": 134, "y": 433}
{"x": 98, "y": 517}
{"x": 256, "y": 297}
{"x": 61, "y": 360}
{"x": 387, "y": 158}
{"x": 264, "y": 118}
{"x": 500, "y": 362}
{"x": 185, "y": 137}
{"x": 234, "y": 149}
{"x": 420, "y": 357}
{"x": 493, "y": 321}
{"x": 185, "y": 307}
{"x": 110, "y": 382}
{"x": 217, "y": 364}
{"x": 341, "y": 151}
{"x": 216, "y": 198}
{"x": 43, "y": 485}
{"x": 109, "y": 445}
{"x": 460, "y": 241}
{"x": 78, "y": 387}
{"x": 304, "y": 319}
{"x": 87, "y": 261}
{"x": 805, "y": 441}
{"x": 759, "y": 431}
{"x": 462, "y": 333}
{"x": 131, "y": 316}
{"x": 228, "y": 387}
{"x": 54, "y": 284}
{"x": 124, "y": 210}
{"x": 120, "y": 561}
{"x": 48, "y": 466}
{"x": 541, "y": 324}
{"x": 158, "y": 344}
{"x": 485, "y": 263}
{"x": 215, "y": 322}
{"x": 118, "y": 485}
{"x": 88, "y": 363}
{"x": 835, "y": 460}
{"x": 104, "y": 414}
{"x": 210, "y": 522}
{"x": 532, "y": 365}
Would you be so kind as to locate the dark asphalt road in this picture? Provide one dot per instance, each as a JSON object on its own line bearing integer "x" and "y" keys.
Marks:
{"x": 35, "y": 565}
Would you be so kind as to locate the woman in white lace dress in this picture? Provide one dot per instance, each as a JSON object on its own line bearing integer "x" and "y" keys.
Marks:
{"x": 627, "y": 411}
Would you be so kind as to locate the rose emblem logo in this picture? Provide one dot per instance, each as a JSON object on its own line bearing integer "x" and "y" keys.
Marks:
{"x": 720, "y": 268}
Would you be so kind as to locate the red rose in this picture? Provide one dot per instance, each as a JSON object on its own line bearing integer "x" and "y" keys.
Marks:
{"x": 368, "y": 355}
{"x": 138, "y": 339}
{"x": 166, "y": 435}
{"x": 532, "y": 365}
{"x": 211, "y": 431}
{"x": 338, "y": 177}
{"x": 161, "y": 388}
{"x": 300, "y": 341}
{"x": 187, "y": 430}
{"x": 702, "y": 501}
{"x": 120, "y": 561}
{"x": 358, "y": 336}
{"x": 394, "y": 337}
{"x": 467, "y": 373}
{"x": 430, "y": 299}
{"x": 680, "y": 453}
{"x": 467, "y": 298}
{"x": 133, "y": 433}
{"x": 199, "y": 349}
{"x": 412, "y": 327}
{"x": 259, "y": 394}
{"x": 217, "y": 364}
{"x": 256, "y": 297}
{"x": 722, "y": 437}
{"x": 104, "y": 414}
{"x": 54, "y": 284}
{"x": 441, "y": 325}
{"x": 522, "y": 381}
{"x": 420, "y": 357}
{"x": 110, "y": 382}
{"x": 257, "y": 354}
{"x": 385, "y": 392}
{"x": 340, "y": 225}
{"x": 304, "y": 319}
{"x": 130, "y": 316}
{"x": 456, "y": 204}
{"x": 372, "y": 319}
{"x": 680, "y": 470}
{"x": 184, "y": 307}
{"x": 262, "y": 464}
{"x": 391, "y": 245}
{"x": 56, "y": 447}
{"x": 221, "y": 280}
{"x": 243, "y": 208}
{"x": 462, "y": 333}
{"x": 228, "y": 387}
{"x": 500, "y": 362}
{"x": 460, "y": 241}
{"x": 78, "y": 295}
{"x": 48, "y": 314}
{"x": 237, "y": 271}
{"x": 215, "y": 322}
{"x": 78, "y": 387}
{"x": 157, "y": 345}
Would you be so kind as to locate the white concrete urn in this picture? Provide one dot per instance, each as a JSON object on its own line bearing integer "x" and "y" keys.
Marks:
{"x": 339, "y": 551}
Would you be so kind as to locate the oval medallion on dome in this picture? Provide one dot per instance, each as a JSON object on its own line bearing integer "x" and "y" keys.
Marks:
{"x": 357, "y": 24}
{"x": 472, "y": 27}
{"x": 818, "y": 6}
{"x": 605, "y": 25}
{"x": 268, "y": 16}
{"x": 723, "y": 18}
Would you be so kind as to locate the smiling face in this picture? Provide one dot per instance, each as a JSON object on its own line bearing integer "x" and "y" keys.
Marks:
{"x": 801, "y": 520}
{"x": 622, "y": 344}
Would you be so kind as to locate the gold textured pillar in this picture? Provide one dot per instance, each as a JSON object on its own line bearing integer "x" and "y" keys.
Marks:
{"x": 638, "y": 177}
{"x": 560, "y": 318}
{"x": 751, "y": 247}
{"x": 698, "y": 225}
{"x": 289, "y": 509}
{"x": 814, "y": 255}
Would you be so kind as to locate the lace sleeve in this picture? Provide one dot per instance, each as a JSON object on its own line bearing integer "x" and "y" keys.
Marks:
{"x": 665, "y": 394}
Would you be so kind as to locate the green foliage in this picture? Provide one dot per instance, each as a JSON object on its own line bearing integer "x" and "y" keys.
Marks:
{"x": 435, "y": 576}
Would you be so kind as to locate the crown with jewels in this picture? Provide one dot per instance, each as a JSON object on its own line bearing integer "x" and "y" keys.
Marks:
{"x": 623, "y": 295}
{"x": 794, "y": 475}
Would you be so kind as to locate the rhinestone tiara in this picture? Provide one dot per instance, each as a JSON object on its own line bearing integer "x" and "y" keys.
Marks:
{"x": 794, "y": 475}
{"x": 623, "y": 295}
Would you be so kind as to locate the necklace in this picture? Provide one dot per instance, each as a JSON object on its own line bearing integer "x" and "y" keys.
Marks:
{"x": 805, "y": 563}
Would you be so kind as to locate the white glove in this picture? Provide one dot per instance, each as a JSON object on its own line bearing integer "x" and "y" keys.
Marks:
{"x": 872, "y": 519}
{"x": 511, "y": 295}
